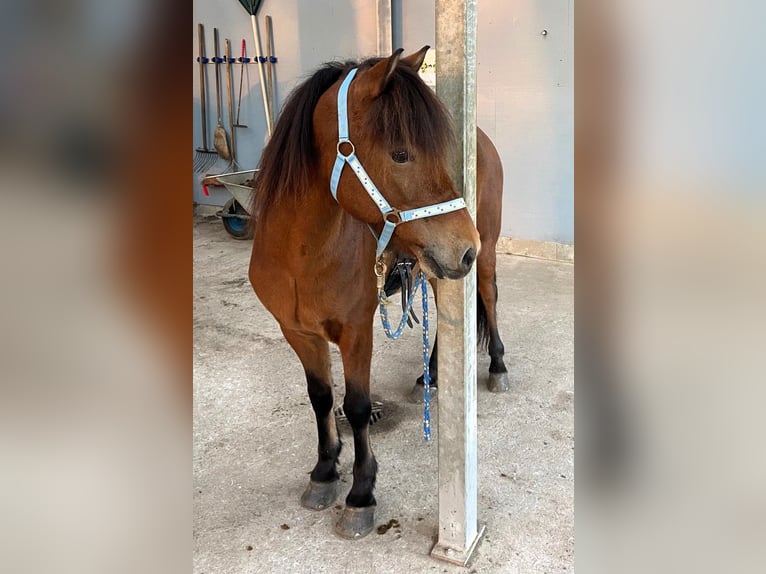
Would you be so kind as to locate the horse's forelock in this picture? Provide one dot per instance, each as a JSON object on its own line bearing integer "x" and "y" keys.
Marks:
{"x": 409, "y": 115}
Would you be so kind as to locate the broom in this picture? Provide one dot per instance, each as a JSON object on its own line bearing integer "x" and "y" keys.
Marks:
{"x": 220, "y": 141}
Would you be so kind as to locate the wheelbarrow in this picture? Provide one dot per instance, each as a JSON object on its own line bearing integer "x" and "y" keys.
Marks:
{"x": 235, "y": 213}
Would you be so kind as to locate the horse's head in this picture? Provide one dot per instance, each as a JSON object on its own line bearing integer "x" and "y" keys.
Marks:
{"x": 403, "y": 137}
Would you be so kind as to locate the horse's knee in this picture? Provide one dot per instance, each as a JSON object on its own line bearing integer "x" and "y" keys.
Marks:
{"x": 320, "y": 394}
{"x": 358, "y": 408}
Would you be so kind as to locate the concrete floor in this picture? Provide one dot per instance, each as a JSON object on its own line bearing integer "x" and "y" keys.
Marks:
{"x": 254, "y": 435}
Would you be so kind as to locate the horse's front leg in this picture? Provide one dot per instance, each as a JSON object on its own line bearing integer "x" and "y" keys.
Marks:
{"x": 358, "y": 518}
{"x": 314, "y": 353}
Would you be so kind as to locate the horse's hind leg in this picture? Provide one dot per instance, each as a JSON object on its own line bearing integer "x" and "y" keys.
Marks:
{"x": 314, "y": 353}
{"x": 487, "y": 287}
{"x": 358, "y": 516}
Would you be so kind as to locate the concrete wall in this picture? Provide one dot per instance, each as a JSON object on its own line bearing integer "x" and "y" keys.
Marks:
{"x": 525, "y": 86}
{"x": 525, "y": 104}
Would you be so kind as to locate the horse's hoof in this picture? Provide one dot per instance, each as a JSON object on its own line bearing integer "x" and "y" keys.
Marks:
{"x": 498, "y": 383}
{"x": 356, "y": 523}
{"x": 418, "y": 393}
{"x": 319, "y": 495}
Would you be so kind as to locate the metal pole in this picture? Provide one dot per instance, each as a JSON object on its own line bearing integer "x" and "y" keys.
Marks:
{"x": 385, "y": 44}
{"x": 459, "y": 531}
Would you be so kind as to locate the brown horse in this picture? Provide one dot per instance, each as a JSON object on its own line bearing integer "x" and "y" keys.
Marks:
{"x": 313, "y": 257}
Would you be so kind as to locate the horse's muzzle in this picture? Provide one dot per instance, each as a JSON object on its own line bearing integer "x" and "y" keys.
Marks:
{"x": 437, "y": 266}
{"x": 467, "y": 261}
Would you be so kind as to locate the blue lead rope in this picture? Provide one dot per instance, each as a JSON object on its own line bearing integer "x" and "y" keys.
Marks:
{"x": 426, "y": 366}
{"x": 420, "y": 281}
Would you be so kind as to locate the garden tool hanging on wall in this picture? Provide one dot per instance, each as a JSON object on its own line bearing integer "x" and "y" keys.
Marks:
{"x": 220, "y": 141}
{"x": 270, "y": 60}
{"x": 204, "y": 157}
{"x": 252, "y": 6}
{"x": 242, "y": 60}
{"x": 230, "y": 102}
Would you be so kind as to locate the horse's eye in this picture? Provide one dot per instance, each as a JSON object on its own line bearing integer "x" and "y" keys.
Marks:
{"x": 400, "y": 156}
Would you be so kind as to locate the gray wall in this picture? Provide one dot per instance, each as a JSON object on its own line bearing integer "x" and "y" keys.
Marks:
{"x": 525, "y": 104}
{"x": 525, "y": 87}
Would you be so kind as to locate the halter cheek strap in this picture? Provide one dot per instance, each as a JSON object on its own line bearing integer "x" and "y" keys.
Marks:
{"x": 391, "y": 216}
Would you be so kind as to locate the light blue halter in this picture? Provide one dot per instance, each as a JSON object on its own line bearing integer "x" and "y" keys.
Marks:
{"x": 391, "y": 215}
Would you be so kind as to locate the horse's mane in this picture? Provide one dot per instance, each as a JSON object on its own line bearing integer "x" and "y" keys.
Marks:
{"x": 406, "y": 115}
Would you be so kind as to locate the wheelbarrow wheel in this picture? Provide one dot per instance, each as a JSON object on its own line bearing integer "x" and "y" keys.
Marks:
{"x": 236, "y": 219}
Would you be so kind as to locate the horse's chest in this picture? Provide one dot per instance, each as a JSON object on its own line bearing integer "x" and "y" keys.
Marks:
{"x": 306, "y": 298}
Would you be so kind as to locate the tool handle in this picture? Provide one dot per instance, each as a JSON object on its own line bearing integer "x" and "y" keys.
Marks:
{"x": 229, "y": 96}
{"x": 217, "y": 61}
{"x": 202, "y": 95}
{"x": 270, "y": 69}
{"x": 262, "y": 74}
{"x": 243, "y": 60}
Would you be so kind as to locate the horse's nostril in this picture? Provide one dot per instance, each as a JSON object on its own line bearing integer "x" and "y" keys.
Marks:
{"x": 468, "y": 258}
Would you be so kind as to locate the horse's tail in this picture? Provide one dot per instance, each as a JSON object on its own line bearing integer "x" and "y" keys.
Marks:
{"x": 482, "y": 326}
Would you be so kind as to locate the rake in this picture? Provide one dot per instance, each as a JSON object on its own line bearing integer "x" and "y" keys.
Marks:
{"x": 204, "y": 158}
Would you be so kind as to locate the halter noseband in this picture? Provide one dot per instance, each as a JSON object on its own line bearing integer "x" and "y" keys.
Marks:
{"x": 391, "y": 216}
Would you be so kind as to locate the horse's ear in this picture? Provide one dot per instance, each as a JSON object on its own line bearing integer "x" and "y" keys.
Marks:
{"x": 378, "y": 76}
{"x": 415, "y": 60}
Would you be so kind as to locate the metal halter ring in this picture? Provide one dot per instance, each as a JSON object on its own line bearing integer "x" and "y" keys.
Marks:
{"x": 380, "y": 268}
{"x": 395, "y": 213}
{"x": 353, "y": 149}
{"x": 380, "y": 282}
